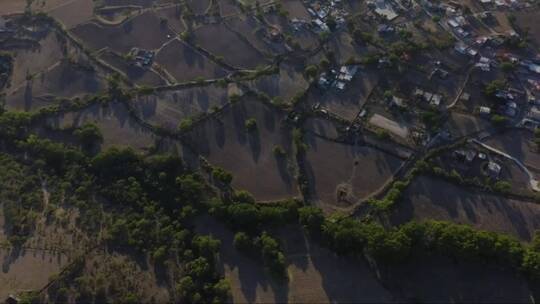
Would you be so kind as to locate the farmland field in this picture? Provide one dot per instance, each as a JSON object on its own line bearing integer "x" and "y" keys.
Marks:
{"x": 122, "y": 130}
{"x": 224, "y": 141}
{"x": 186, "y": 63}
{"x": 220, "y": 41}
{"x": 168, "y": 108}
{"x": 144, "y": 31}
{"x": 354, "y": 173}
{"x": 429, "y": 198}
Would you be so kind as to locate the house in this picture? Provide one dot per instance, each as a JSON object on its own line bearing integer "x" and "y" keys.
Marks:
{"x": 11, "y": 299}
{"x": 397, "y": 102}
{"x": 485, "y": 111}
{"x": 465, "y": 155}
{"x": 466, "y": 97}
{"x": 436, "y": 100}
{"x": 493, "y": 170}
{"x": 535, "y": 68}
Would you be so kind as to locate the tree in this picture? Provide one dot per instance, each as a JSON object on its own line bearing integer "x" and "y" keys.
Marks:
{"x": 242, "y": 242}
{"x": 507, "y": 67}
{"x": 221, "y": 175}
{"x": 251, "y": 124}
{"x": 311, "y": 218}
{"x": 89, "y": 134}
{"x": 493, "y": 87}
{"x": 311, "y": 71}
{"x": 498, "y": 120}
{"x": 185, "y": 124}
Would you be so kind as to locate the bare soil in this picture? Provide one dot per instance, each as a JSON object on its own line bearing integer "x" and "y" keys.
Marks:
{"x": 144, "y": 31}
{"x": 185, "y": 63}
{"x": 220, "y": 41}
{"x": 117, "y": 126}
{"x": 248, "y": 155}
{"x": 340, "y": 175}
{"x": 430, "y": 198}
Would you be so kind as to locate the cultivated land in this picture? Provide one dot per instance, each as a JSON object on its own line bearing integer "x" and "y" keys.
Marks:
{"x": 291, "y": 151}
{"x": 353, "y": 174}
{"x": 225, "y": 141}
{"x": 429, "y": 198}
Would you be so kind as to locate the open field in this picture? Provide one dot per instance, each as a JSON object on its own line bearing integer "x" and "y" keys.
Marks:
{"x": 167, "y": 108}
{"x": 529, "y": 21}
{"x": 442, "y": 280}
{"x": 461, "y": 124}
{"x": 322, "y": 127}
{"x": 519, "y": 144}
{"x": 296, "y": 9}
{"x": 429, "y": 198}
{"x": 254, "y": 31}
{"x": 119, "y": 129}
{"x": 353, "y": 173}
{"x": 64, "y": 80}
{"x": 73, "y": 13}
{"x": 173, "y": 16}
{"x": 284, "y": 85}
{"x": 31, "y": 60}
{"x": 27, "y": 269}
{"x": 185, "y": 63}
{"x": 218, "y": 40}
{"x": 199, "y": 7}
{"x": 144, "y": 31}
{"x": 226, "y": 142}
{"x": 315, "y": 275}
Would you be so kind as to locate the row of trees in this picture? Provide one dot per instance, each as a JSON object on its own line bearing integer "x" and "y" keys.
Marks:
{"x": 348, "y": 236}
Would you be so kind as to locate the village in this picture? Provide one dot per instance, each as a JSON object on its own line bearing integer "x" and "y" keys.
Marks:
{"x": 267, "y": 151}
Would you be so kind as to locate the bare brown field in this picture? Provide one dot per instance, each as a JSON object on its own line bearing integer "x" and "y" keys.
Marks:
{"x": 29, "y": 61}
{"x": 430, "y": 198}
{"x": 519, "y": 144}
{"x": 27, "y": 269}
{"x": 321, "y": 127}
{"x": 199, "y": 7}
{"x": 296, "y": 9}
{"x": 172, "y": 14}
{"x": 315, "y": 275}
{"x": 185, "y": 63}
{"x": 64, "y": 80}
{"x": 12, "y": 6}
{"x": 228, "y": 7}
{"x": 118, "y": 128}
{"x": 220, "y": 41}
{"x": 529, "y": 21}
{"x": 144, "y": 31}
{"x": 285, "y": 85}
{"x": 248, "y": 27}
{"x": 461, "y": 124}
{"x": 142, "y": 3}
{"x": 340, "y": 175}
{"x": 248, "y": 155}
{"x": 167, "y": 108}
{"x": 442, "y": 280}
{"x": 141, "y": 76}
{"x": 73, "y": 13}
{"x": 343, "y": 47}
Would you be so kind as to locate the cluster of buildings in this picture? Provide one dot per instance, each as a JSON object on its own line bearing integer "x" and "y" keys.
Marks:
{"x": 323, "y": 11}
{"x": 140, "y": 57}
{"x": 492, "y": 168}
{"x": 432, "y": 98}
{"x": 338, "y": 78}
{"x": 383, "y": 8}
